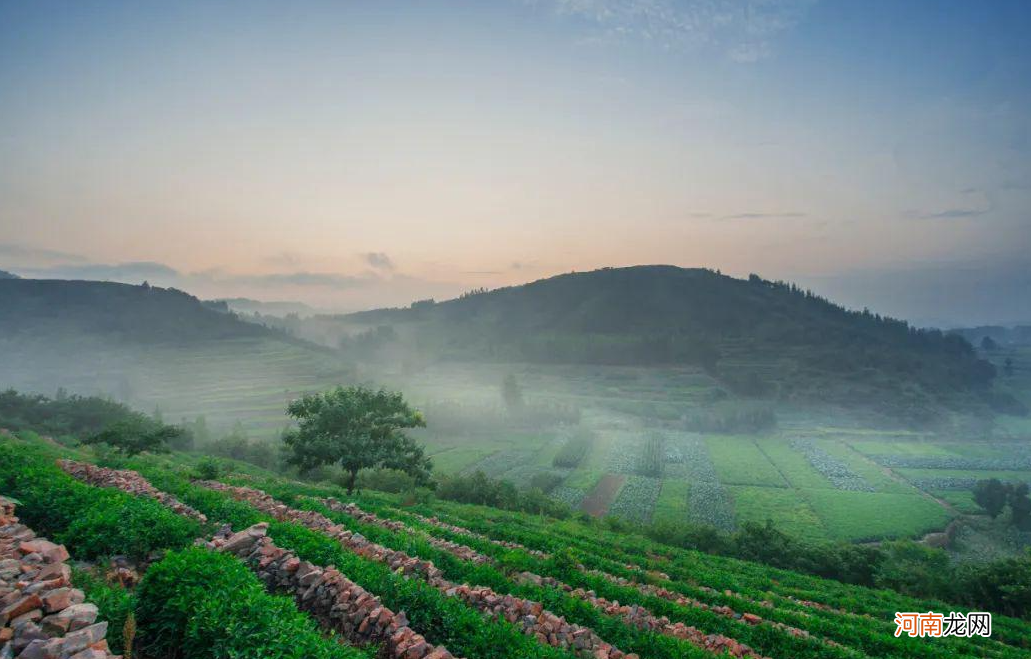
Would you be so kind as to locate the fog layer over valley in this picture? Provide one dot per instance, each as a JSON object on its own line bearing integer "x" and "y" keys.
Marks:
{"x": 654, "y": 394}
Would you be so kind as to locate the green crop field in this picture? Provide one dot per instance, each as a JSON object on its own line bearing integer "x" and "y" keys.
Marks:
{"x": 789, "y": 615}
{"x": 808, "y": 474}
{"x": 787, "y": 508}
{"x": 871, "y": 515}
{"x": 739, "y": 461}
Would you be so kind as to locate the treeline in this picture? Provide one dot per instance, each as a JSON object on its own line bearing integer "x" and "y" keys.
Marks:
{"x": 63, "y": 415}
{"x": 75, "y": 419}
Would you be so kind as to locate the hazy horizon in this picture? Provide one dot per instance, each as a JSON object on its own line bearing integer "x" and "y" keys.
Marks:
{"x": 358, "y": 155}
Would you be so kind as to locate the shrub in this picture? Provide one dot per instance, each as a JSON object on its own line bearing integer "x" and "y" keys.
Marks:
{"x": 384, "y": 480}
{"x": 134, "y": 526}
{"x": 199, "y": 604}
{"x": 209, "y": 469}
{"x": 91, "y": 521}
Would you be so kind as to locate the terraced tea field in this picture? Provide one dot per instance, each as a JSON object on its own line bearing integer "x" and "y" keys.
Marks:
{"x": 249, "y": 379}
{"x": 430, "y": 581}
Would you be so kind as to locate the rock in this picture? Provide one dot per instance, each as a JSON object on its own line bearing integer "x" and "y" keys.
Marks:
{"x": 83, "y": 638}
{"x": 20, "y": 606}
{"x": 61, "y": 598}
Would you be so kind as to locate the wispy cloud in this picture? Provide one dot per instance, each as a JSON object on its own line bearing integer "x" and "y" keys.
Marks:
{"x": 953, "y": 214}
{"x": 763, "y": 216}
{"x": 379, "y": 260}
{"x": 742, "y": 29}
{"x": 973, "y": 203}
{"x": 16, "y": 254}
{"x": 132, "y": 272}
{"x": 330, "y": 280}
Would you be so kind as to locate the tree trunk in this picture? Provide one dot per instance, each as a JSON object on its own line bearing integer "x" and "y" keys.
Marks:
{"x": 351, "y": 481}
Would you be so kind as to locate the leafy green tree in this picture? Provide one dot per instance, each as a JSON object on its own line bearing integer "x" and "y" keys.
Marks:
{"x": 357, "y": 428}
{"x": 1007, "y": 367}
{"x": 988, "y": 344}
{"x": 991, "y": 495}
{"x": 913, "y": 569}
{"x": 1020, "y": 505}
{"x": 138, "y": 434}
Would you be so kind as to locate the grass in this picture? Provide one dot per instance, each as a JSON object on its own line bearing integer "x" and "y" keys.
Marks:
{"x": 960, "y": 500}
{"x": 739, "y": 461}
{"x": 792, "y": 464}
{"x": 671, "y": 506}
{"x": 874, "y": 515}
{"x": 786, "y": 508}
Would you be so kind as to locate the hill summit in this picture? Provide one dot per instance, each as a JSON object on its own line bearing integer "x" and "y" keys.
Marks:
{"x": 760, "y": 338}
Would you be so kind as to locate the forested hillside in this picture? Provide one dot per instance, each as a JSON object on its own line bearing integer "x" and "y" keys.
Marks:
{"x": 759, "y": 338}
{"x": 137, "y": 314}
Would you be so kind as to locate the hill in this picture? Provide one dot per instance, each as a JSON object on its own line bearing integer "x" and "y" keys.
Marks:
{"x": 759, "y": 338}
{"x": 154, "y": 347}
{"x": 7, "y": 275}
{"x": 135, "y": 314}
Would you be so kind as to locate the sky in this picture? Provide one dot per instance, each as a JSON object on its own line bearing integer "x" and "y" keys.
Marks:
{"x": 355, "y": 154}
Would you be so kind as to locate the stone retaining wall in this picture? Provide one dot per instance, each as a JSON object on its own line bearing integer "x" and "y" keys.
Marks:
{"x": 41, "y": 615}
{"x": 130, "y": 482}
{"x": 327, "y": 595}
{"x": 530, "y": 616}
{"x": 642, "y": 618}
{"x": 473, "y": 534}
{"x": 459, "y": 551}
{"x": 635, "y": 615}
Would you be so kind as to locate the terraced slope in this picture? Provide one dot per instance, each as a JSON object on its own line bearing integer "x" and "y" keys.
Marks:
{"x": 486, "y": 583}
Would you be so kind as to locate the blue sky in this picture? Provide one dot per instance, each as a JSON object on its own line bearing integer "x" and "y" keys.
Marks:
{"x": 351, "y": 154}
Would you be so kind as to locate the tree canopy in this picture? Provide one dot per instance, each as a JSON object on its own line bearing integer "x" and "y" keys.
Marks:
{"x": 357, "y": 428}
{"x": 991, "y": 495}
{"x": 138, "y": 434}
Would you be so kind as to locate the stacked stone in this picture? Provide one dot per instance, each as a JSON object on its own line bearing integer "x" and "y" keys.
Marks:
{"x": 635, "y": 615}
{"x": 327, "y": 595}
{"x": 723, "y": 610}
{"x": 641, "y": 618}
{"x": 530, "y": 616}
{"x": 130, "y": 482}
{"x": 473, "y": 534}
{"x": 459, "y": 551}
{"x": 41, "y": 615}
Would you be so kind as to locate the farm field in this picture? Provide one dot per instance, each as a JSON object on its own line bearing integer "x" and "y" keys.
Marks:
{"x": 709, "y": 593}
{"x": 795, "y": 475}
{"x": 712, "y": 478}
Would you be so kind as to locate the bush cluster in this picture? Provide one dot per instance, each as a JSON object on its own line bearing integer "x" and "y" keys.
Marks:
{"x": 91, "y": 521}
{"x": 203, "y": 605}
{"x": 478, "y": 488}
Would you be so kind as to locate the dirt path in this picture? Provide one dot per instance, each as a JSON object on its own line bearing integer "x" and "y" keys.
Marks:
{"x": 601, "y": 497}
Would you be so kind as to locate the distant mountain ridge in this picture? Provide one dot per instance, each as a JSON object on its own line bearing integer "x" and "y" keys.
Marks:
{"x": 761, "y": 338}
{"x": 7, "y": 275}
{"x": 139, "y": 314}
